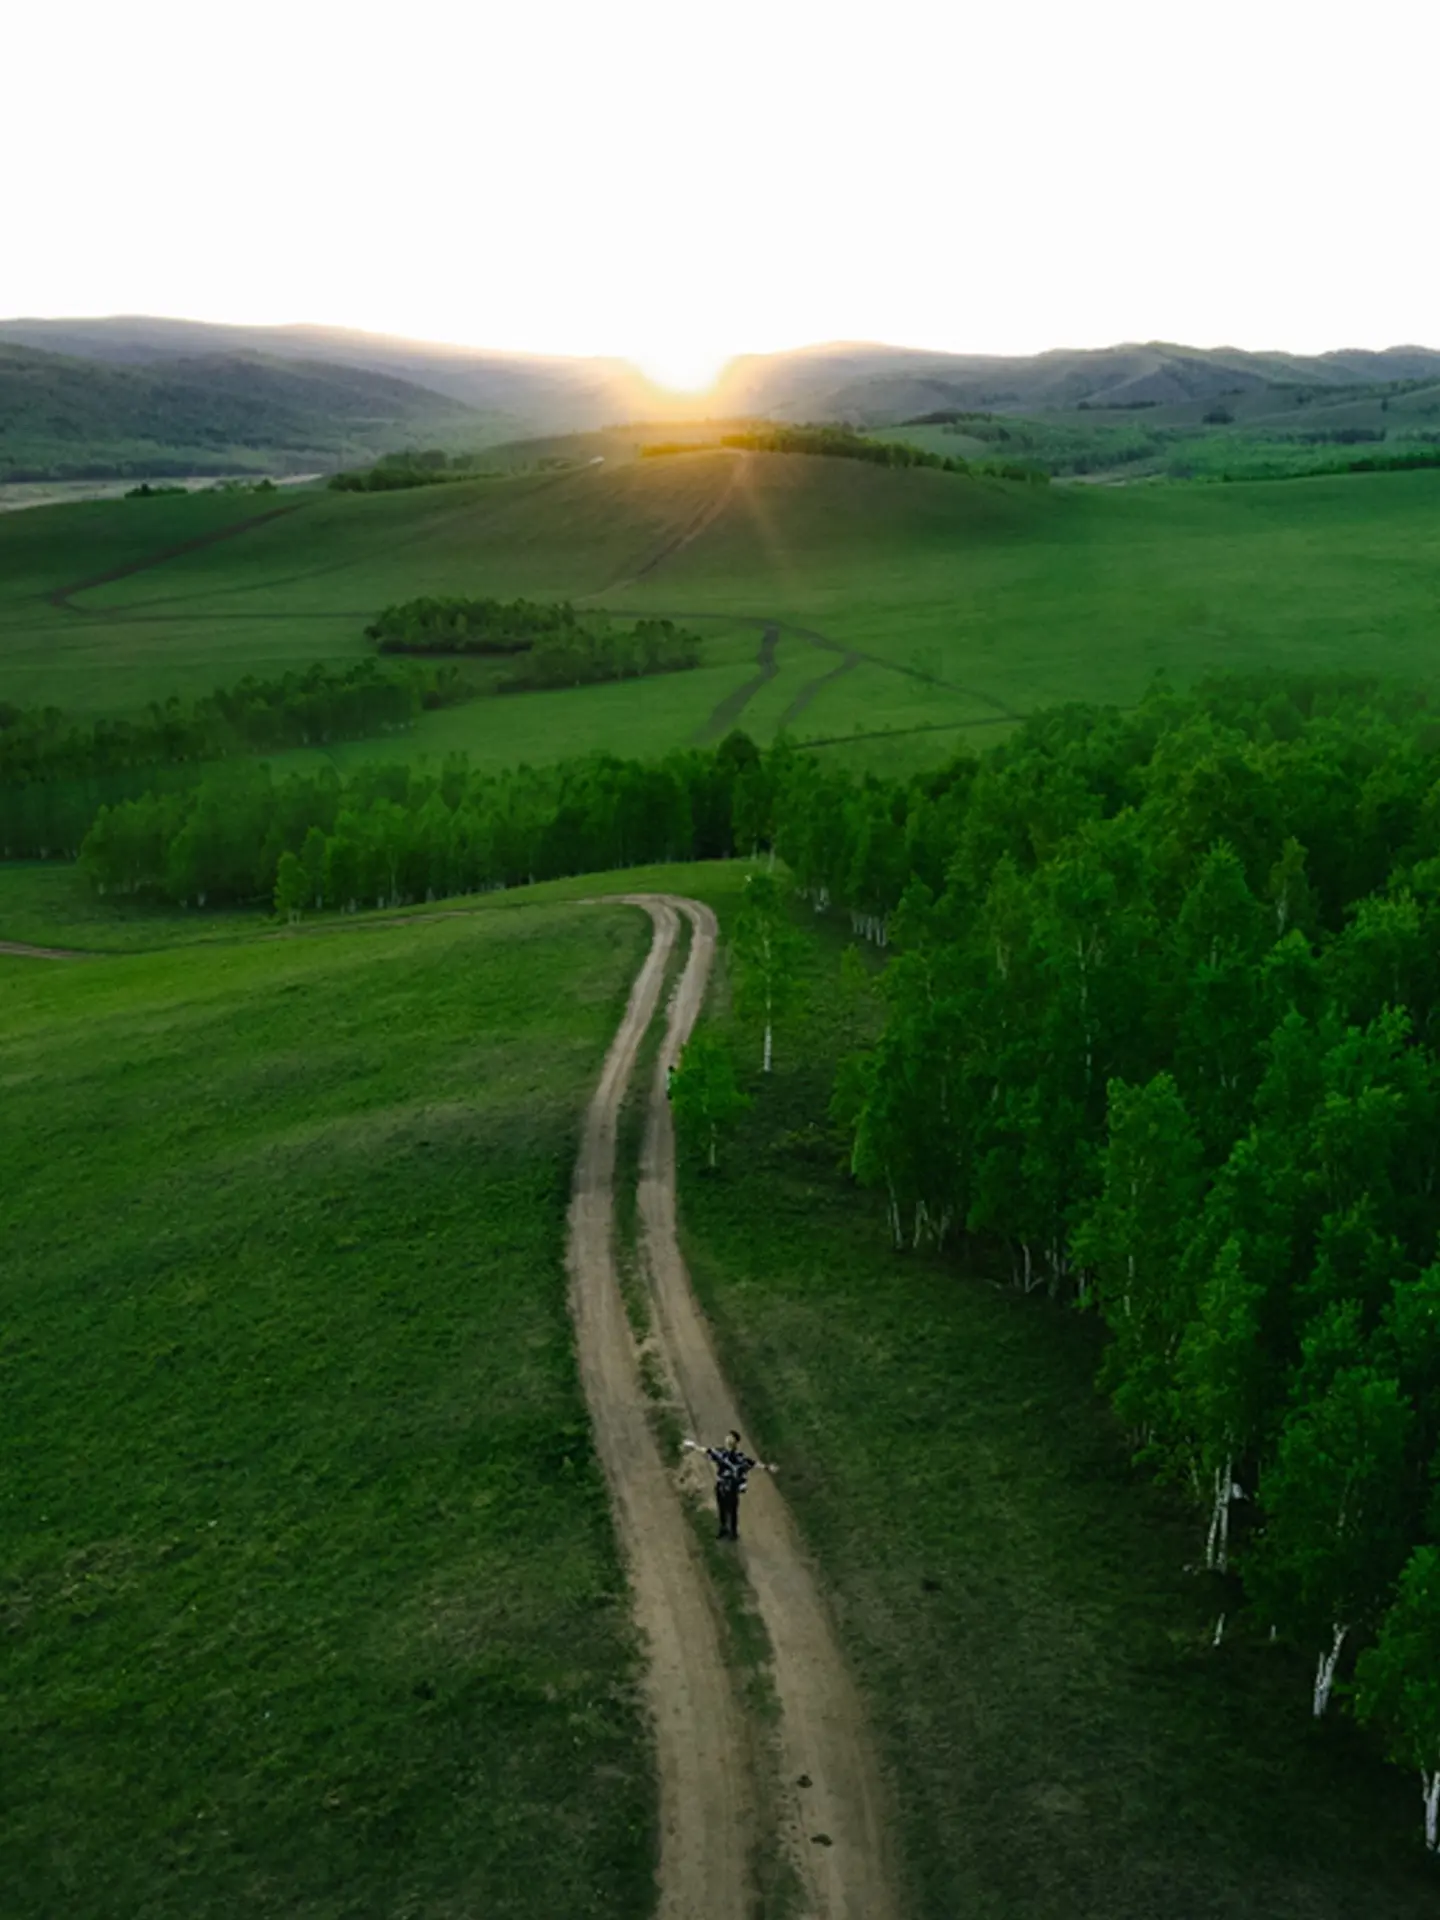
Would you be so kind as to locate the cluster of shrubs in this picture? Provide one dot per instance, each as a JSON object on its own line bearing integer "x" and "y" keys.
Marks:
{"x": 146, "y": 492}
{"x": 843, "y": 443}
{"x": 394, "y": 472}
{"x": 555, "y": 645}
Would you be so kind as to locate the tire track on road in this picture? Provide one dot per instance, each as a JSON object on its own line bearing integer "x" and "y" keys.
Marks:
{"x": 833, "y": 1803}
{"x": 701, "y": 1751}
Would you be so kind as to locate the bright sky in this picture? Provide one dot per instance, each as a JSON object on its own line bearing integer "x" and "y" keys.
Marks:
{"x": 675, "y": 182}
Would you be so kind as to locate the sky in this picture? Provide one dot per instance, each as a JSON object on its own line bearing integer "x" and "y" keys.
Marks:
{"x": 674, "y": 181}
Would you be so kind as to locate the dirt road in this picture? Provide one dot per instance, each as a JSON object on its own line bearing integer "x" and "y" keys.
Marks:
{"x": 701, "y": 1749}
{"x": 20, "y": 950}
{"x": 833, "y": 1825}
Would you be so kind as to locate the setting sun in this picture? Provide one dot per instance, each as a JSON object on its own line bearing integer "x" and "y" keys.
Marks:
{"x": 682, "y": 368}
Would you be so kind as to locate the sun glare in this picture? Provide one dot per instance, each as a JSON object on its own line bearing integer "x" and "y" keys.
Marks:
{"x": 681, "y": 369}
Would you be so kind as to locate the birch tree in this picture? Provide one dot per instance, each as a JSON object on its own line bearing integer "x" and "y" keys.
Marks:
{"x": 705, "y": 1096}
{"x": 1220, "y": 1008}
{"x": 290, "y": 888}
{"x": 1397, "y": 1681}
{"x": 312, "y": 859}
{"x": 1333, "y": 1502}
{"x": 1133, "y": 1242}
{"x": 766, "y": 952}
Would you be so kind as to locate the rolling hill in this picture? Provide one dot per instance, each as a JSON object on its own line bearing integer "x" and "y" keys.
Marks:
{"x": 518, "y": 394}
{"x": 876, "y": 386}
{"x": 216, "y": 412}
{"x": 311, "y": 391}
{"x": 891, "y": 614}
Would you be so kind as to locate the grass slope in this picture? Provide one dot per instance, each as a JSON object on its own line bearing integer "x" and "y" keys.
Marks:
{"x": 965, "y": 602}
{"x": 1063, "y": 1741}
{"x": 311, "y": 1604}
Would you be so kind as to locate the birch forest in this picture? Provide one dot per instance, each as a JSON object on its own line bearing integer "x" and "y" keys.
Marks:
{"x": 1160, "y": 1040}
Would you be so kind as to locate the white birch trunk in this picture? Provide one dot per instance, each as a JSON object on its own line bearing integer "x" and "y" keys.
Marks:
{"x": 1430, "y": 1782}
{"x": 1219, "y": 1633}
{"x": 768, "y": 1046}
{"x": 1217, "y": 1541}
{"x": 1325, "y": 1673}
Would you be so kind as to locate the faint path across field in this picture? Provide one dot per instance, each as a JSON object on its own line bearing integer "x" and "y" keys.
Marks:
{"x": 62, "y": 596}
{"x": 485, "y": 510}
{"x": 21, "y": 950}
{"x": 814, "y": 687}
{"x": 727, "y": 711}
{"x": 832, "y": 1803}
{"x": 706, "y": 516}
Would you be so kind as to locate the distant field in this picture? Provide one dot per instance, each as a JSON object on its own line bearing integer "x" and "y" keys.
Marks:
{"x": 1276, "y": 431}
{"x": 923, "y": 607}
{"x": 310, "y": 1600}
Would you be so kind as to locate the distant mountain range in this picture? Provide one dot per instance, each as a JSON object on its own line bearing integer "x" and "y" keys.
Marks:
{"x": 876, "y": 386}
{"x": 138, "y": 395}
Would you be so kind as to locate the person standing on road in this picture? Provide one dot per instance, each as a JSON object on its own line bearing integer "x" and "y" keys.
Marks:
{"x": 732, "y": 1469}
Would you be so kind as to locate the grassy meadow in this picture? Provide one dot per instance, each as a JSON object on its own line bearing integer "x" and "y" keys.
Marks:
{"x": 313, "y": 1603}
{"x": 312, "y": 1606}
{"x": 296, "y": 1433}
{"x": 923, "y": 607}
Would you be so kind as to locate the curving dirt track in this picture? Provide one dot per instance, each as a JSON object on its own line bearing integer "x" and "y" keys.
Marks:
{"x": 21, "y": 950}
{"x": 833, "y": 1824}
{"x": 727, "y": 711}
{"x": 701, "y": 1750}
{"x": 824, "y": 1737}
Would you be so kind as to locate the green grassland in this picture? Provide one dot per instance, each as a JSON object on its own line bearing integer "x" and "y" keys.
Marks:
{"x": 285, "y": 1234}
{"x": 311, "y": 1603}
{"x": 1063, "y": 1739}
{"x": 948, "y": 604}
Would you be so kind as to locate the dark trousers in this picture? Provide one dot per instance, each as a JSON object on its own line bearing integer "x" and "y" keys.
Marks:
{"x": 727, "y": 1505}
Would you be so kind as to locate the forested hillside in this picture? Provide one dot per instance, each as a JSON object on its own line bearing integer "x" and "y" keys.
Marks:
{"x": 68, "y": 418}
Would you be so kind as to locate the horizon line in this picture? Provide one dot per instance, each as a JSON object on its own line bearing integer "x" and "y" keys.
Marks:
{"x": 467, "y": 348}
